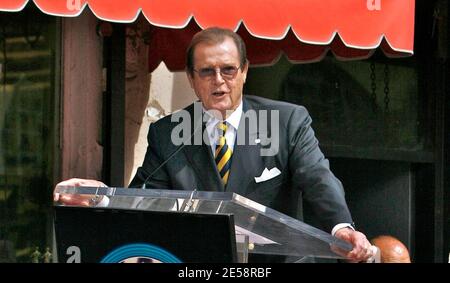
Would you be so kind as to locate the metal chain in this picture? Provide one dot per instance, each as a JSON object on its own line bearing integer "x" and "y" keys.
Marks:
{"x": 386, "y": 88}
{"x": 373, "y": 86}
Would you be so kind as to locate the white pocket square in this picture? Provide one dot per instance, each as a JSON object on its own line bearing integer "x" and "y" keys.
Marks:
{"x": 268, "y": 174}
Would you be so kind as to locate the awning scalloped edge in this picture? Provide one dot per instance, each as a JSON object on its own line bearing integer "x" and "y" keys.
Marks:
{"x": 347, "y": 42}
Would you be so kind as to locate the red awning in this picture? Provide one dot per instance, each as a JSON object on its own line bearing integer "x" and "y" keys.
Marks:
{"x": 304, "y": 30}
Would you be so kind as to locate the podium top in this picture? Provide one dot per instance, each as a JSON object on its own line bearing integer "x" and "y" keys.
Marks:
{"x": 269, "y": 231}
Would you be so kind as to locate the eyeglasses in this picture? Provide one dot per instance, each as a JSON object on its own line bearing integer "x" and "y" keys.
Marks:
{"x": 227, "y": 72}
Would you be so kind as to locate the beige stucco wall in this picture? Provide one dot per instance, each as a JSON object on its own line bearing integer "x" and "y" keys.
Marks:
{"x": 168, "y": 91}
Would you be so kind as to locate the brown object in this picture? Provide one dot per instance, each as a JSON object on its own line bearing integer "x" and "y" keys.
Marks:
{"x": 392, "y": 250}
{"x": 81, "y": 125}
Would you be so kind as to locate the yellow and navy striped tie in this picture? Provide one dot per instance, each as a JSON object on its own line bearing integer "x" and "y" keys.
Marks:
{"x": 223, "y": 154}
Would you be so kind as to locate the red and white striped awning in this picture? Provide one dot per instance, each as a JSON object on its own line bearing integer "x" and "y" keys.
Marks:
{"x": 304, "y": 30}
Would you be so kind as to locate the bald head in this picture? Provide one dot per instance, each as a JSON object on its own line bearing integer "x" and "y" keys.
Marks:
{"x": 391, "y": 249}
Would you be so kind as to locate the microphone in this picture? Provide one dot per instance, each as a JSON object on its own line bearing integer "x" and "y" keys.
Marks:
{"x": 180, "y": 147}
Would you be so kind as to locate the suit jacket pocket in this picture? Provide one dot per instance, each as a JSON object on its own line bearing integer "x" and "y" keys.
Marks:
{"x": 271, "y": 183}
{"x": 265, "y": 192}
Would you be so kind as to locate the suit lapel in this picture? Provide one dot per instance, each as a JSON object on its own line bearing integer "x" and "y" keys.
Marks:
{"x": 246, "y": 160}
{"x": 201, "y": 159}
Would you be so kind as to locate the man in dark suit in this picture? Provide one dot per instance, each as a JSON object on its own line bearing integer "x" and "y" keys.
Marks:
{"x": 303, "y": 168}
{"x": 263, "y": 149}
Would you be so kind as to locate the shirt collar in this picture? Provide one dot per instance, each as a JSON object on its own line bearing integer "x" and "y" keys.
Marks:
{"x": 233, "y": 119}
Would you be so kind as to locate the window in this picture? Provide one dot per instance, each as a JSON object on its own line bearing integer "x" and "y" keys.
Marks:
{"x": 358, "y": 107}
{"x": 28, "y": 44}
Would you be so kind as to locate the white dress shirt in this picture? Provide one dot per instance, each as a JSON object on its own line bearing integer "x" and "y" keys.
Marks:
{"x": 232, "y": 126}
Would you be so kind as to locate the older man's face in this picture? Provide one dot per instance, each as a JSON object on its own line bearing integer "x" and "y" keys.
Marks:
{"x": 218, "y": 79}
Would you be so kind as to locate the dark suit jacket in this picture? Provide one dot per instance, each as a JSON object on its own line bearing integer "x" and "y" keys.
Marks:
{"x": 304, "y": 169}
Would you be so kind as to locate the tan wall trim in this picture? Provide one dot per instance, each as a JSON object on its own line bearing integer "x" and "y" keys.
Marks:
{"x": 82, "y": 153}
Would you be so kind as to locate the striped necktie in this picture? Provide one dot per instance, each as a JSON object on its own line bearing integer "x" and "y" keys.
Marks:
{"x": 223, "y": 154}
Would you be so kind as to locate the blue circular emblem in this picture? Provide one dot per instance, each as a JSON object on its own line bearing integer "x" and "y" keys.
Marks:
{"x": 140, "y": 253}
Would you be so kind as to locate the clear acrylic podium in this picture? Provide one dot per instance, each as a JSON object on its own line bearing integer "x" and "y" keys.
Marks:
{"x": 259, "y": 229}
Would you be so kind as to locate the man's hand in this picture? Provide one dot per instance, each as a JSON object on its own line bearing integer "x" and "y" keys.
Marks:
{"x": 79, "y": 200}
{"x": 362, "y": 249}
